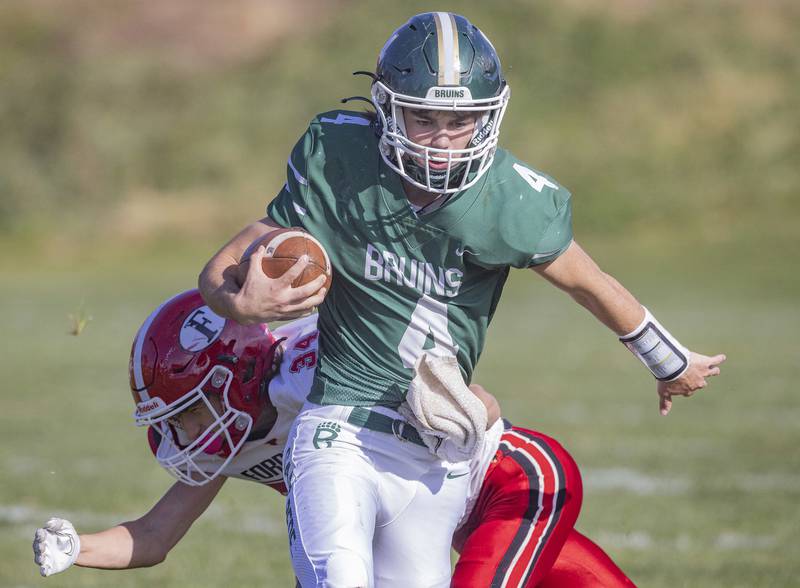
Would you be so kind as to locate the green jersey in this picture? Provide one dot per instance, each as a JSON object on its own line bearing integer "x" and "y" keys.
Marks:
{"x": 404, "y": 284}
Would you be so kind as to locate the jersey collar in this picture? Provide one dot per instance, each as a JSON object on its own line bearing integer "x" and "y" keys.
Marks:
{"x": 415, "y": 230}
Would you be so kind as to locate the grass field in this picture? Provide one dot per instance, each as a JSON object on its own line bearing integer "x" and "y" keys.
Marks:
{"x": 705, "y": 497}
{"x": 128, "y": 154}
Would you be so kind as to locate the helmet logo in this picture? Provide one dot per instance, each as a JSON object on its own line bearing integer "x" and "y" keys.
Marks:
{"x": 483, "y": 133}
{"x": 200, "y": 329}
{"x": 438, "y": 92}
{"x": 147, "y": 406}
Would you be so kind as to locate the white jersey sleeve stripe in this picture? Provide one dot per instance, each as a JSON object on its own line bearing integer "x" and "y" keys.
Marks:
{"x": 296, "y": 173}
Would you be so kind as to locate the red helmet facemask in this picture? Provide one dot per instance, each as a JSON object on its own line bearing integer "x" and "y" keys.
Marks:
{"x": 185, "y": 354}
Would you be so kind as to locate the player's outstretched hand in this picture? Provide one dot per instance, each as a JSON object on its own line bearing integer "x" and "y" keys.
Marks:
{"x": 55, "y": 546}
{"x": 263, "y": 299}
{"x": 692, "y": 380}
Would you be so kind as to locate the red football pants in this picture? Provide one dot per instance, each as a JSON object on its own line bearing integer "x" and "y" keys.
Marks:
{"x": 582, "y": 564}
{"x": 527, "y": 507}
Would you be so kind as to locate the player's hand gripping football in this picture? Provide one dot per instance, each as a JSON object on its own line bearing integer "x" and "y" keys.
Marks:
{"x": 55, "y": 546}
{"x": 692, "y": 380}
{"x": 262, "y": 299}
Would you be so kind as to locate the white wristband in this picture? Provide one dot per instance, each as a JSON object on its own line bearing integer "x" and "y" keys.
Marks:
{"x": 657, "y": 349}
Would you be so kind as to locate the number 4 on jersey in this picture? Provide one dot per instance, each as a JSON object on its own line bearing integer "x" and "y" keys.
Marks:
{"x": 426, "y": 333}
{"x": 536, "y": 181}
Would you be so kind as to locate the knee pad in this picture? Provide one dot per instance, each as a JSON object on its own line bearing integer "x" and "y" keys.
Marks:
{"x": 347, "y": 569}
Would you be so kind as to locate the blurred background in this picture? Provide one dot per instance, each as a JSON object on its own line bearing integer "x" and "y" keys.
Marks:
{"x": 136, "y": 137}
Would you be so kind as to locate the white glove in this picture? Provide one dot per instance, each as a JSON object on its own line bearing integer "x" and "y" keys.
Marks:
{"x": 55, "y": 546}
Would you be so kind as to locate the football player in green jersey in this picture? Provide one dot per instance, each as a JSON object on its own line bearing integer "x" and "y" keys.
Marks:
{"x": 422, "y": 215}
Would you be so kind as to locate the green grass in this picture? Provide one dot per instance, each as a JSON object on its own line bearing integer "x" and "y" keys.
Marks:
{"x": 716, "y": 479}
{"x": 705, "y": 497}
{"x": 674, "y": 125}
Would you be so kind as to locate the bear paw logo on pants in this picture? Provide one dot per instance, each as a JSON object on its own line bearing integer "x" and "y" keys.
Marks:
{"x": 325, "y": 434}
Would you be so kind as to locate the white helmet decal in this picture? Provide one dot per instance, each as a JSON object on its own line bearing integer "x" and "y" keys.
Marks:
{"x": 148, "y": 405}
{"x": 200, "y": 329}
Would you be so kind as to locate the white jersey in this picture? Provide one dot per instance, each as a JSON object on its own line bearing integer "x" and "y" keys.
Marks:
{"x": 262, "y": 460}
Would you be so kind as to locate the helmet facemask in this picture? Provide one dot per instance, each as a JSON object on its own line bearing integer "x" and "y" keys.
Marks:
{"x": 411, "y": 160}
{"x": 223, "y": 437}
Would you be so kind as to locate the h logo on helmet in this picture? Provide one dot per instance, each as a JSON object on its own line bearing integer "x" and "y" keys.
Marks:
{"x": 200, "y": 329}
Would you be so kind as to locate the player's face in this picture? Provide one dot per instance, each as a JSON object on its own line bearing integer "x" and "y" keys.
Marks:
{"x": 196, "y": 419}
{"x": 440, "y": 130}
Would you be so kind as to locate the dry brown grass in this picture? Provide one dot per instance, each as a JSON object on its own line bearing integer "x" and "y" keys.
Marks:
{"x": 185, "y": 34}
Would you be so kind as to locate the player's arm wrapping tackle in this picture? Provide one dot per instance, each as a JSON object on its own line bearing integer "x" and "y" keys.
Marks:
{"x": 140, "y": 543}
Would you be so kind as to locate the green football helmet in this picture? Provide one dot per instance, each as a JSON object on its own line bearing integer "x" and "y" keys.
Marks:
{"x": 439, "y": 61}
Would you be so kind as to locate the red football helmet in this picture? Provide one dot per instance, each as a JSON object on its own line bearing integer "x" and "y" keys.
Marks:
{"x": 184, "y": 354}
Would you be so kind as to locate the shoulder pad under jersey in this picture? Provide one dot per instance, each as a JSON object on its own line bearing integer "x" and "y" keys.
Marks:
{"x": 531, "y": 212}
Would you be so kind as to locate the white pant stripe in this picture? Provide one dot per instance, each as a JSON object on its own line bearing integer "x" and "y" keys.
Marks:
{"x": 306, "y": 572}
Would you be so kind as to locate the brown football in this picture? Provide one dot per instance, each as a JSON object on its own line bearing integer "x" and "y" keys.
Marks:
{"x": 283, "y": 248}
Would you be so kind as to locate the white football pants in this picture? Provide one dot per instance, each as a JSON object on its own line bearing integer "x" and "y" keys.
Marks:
{"x": 366, "y": 508}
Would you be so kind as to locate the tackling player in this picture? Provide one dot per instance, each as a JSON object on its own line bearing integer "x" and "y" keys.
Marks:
{"x": 217, "y": 407}
{"x": 422, "y": 215}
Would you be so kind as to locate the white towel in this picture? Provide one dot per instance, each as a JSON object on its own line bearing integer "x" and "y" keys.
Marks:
{"x": 450, "y": 419}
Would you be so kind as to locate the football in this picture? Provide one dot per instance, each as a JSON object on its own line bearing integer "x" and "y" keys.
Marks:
{"x": 283, "y": 248}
